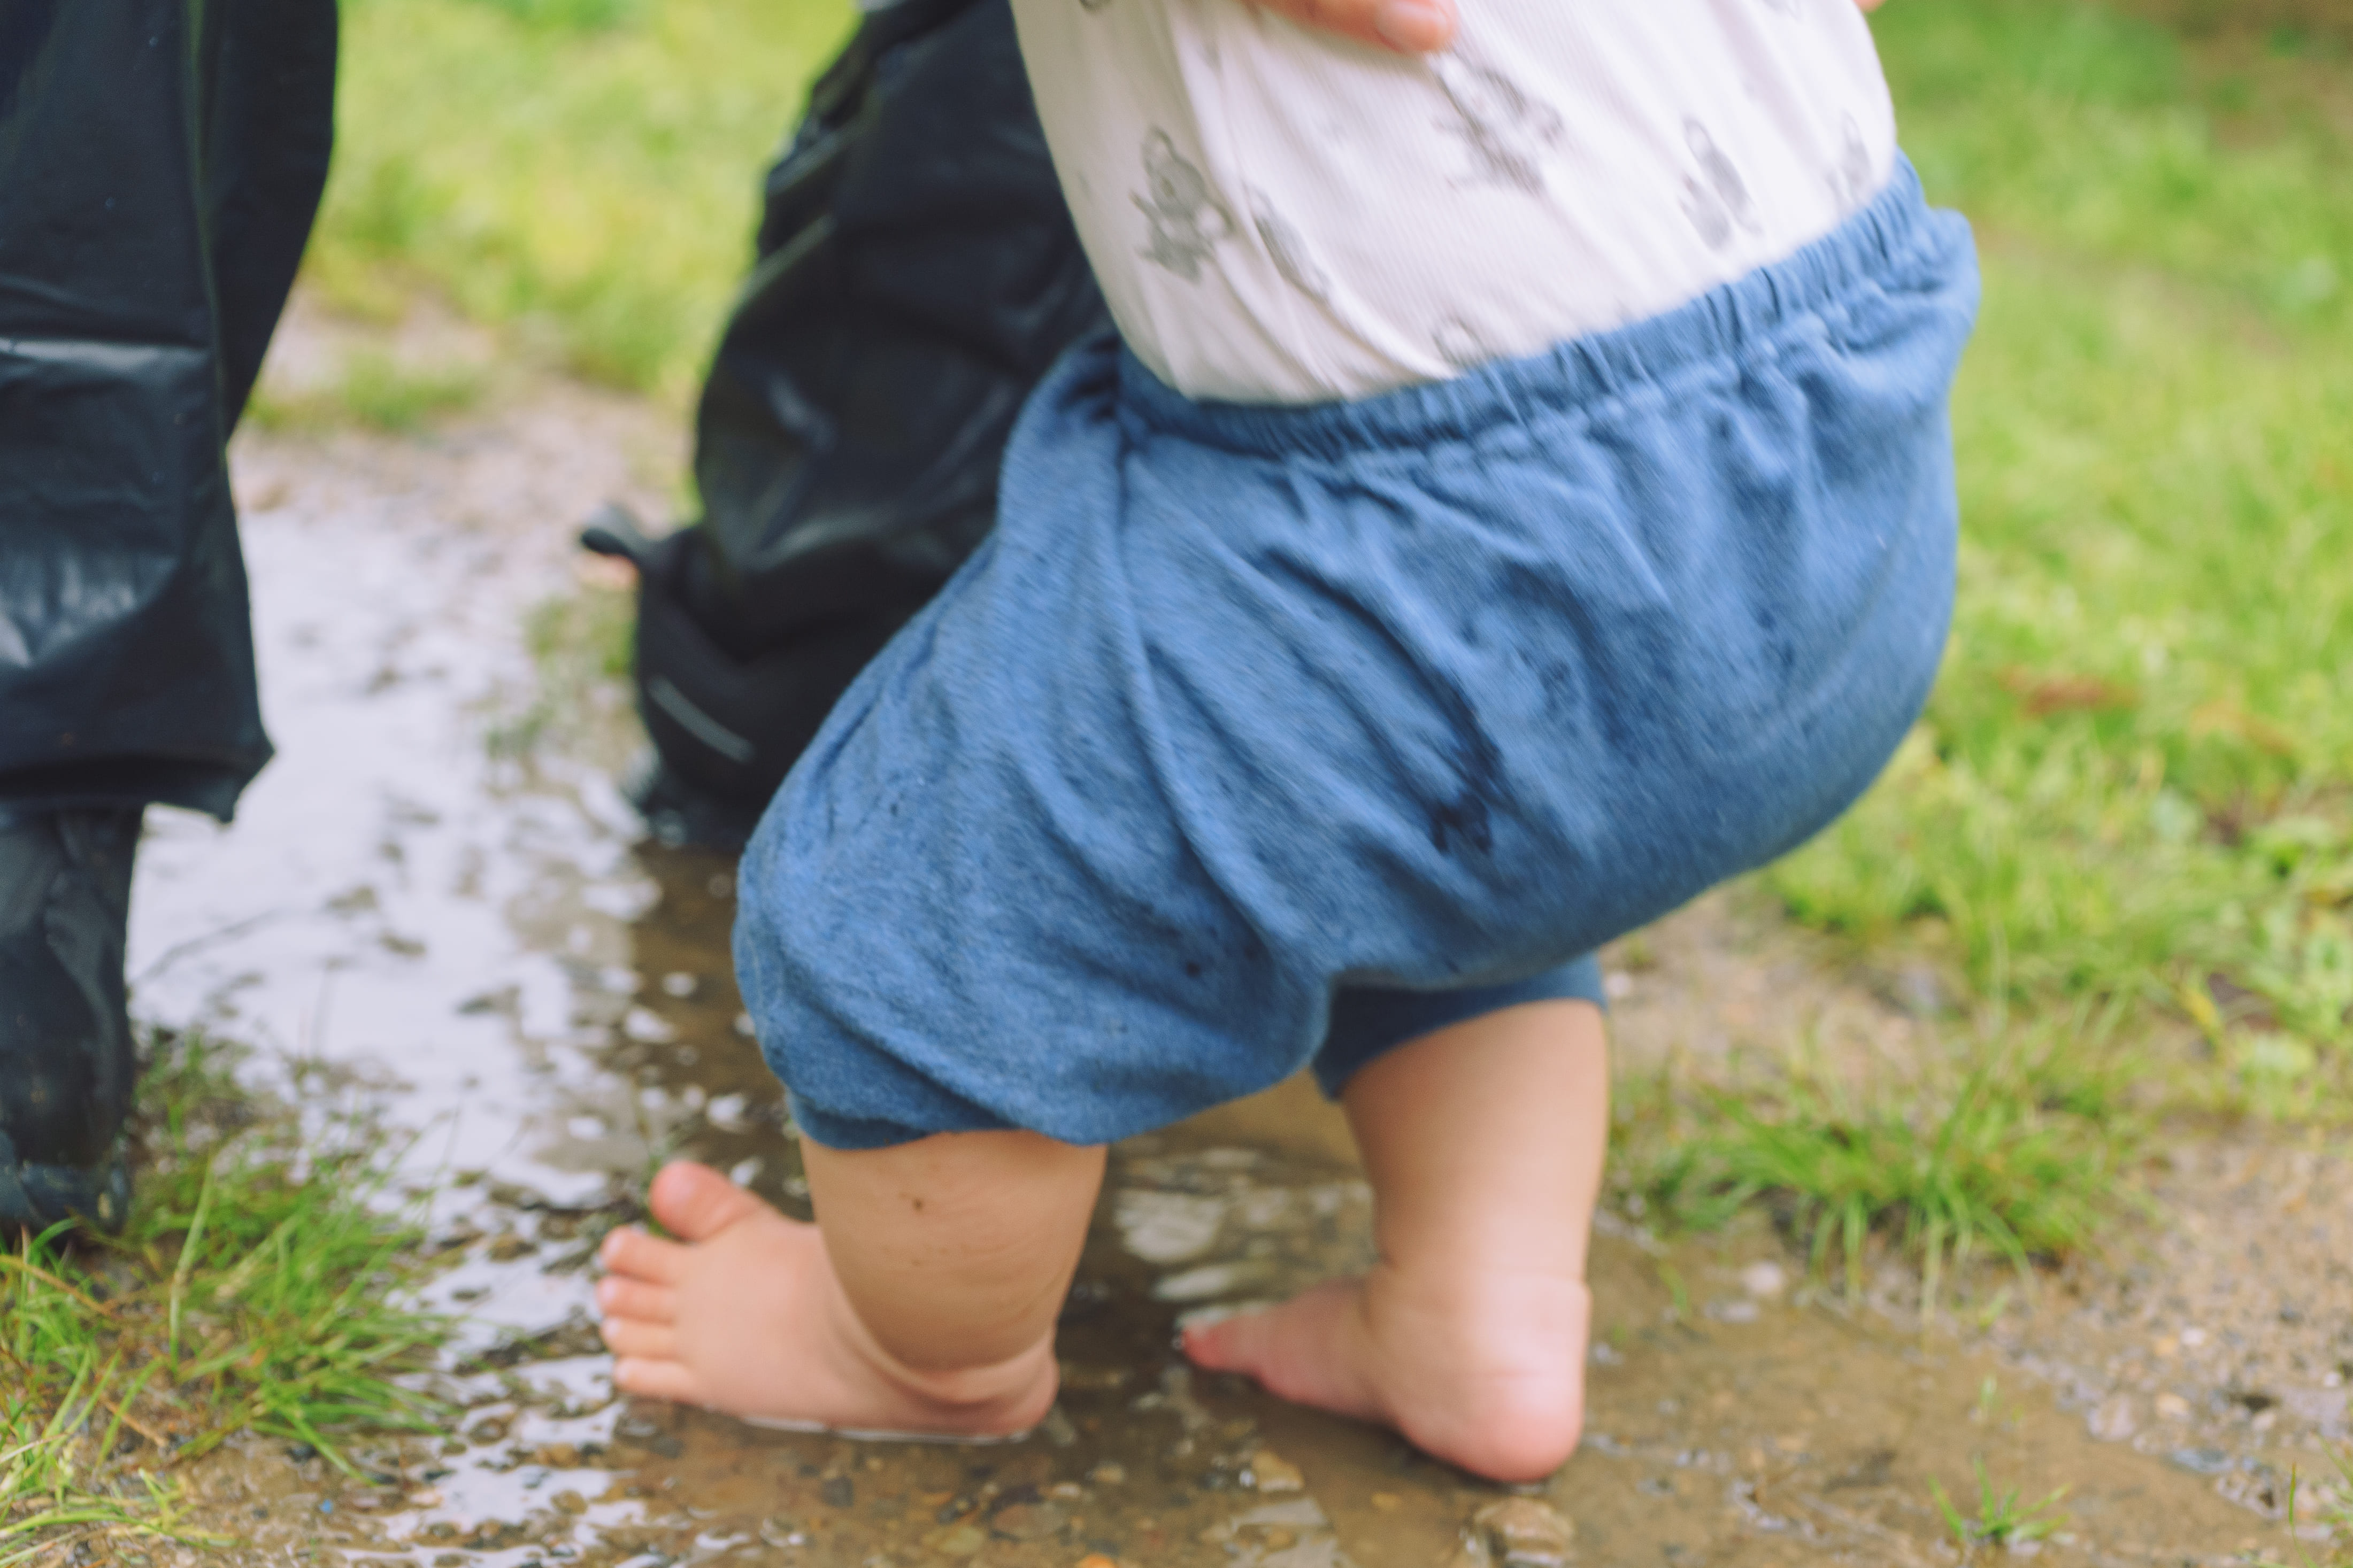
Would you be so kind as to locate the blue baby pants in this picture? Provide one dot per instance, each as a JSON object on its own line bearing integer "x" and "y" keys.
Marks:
{"x": 1258, "y": 736}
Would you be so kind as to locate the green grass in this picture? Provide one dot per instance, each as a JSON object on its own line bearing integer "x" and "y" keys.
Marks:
{"x": 2002, "y": 1520}
{"x": 584, "y": 173}
{"x": 2010, "y": 1145}
{"x": 256, "y": 1288}
{"x": 2336, "y": 1515}
{"x": 375, "y": 390}
{"x": 581, "y": 642}
{"x": 2135, "y": 777}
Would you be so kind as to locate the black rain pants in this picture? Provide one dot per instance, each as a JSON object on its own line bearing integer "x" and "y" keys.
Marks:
{"x": 161, "y": 161}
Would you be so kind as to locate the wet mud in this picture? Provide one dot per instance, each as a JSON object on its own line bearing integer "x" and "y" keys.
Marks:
{"x": 440, "y": 910}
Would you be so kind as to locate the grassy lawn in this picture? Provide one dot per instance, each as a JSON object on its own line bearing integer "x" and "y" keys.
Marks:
{"x": 256, "y": 1288}
{"x": 582, "y": 172}
{"x": 2132, "y": 797}
{"x": 2129, "y": 797}
{"x": 2133, "y": 779}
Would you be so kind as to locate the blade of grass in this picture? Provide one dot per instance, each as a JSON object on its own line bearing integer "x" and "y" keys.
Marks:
{"x": 190, "y": 1247}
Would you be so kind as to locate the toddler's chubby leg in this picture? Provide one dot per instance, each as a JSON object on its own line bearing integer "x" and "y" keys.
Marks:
{"x": 926, "y": 1304}
{"x": 1484, "y": 1143}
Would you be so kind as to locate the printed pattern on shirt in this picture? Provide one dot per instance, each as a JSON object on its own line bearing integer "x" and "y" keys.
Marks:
{"x": 1288, "y": 248}
{"x": 1718, "y": 199}
{"x": 1186, "y": 220}
{"x": 1508, "y": 133}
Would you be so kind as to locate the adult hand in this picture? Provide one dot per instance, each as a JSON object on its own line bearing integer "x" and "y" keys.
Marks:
{"x": 1405, "y": 27}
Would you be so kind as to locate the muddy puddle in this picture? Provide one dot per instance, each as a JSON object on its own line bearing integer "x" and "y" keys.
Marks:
{"x": 437, "y": 904}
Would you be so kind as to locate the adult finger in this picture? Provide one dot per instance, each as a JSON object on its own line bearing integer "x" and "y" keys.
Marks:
{"x": 1403, "y": 27}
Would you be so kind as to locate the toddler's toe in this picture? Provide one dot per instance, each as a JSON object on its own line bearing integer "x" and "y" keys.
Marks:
{"x": 695, "y": 1202}
{"x": 631, "y": 1254}
{"x": 649, "y": 1378}
{"x": 1304, "y": 1350}
{"x": 620, "y": 1297}
{"x": 1221, "y": 1344}
{"x": 631, "y": 1339}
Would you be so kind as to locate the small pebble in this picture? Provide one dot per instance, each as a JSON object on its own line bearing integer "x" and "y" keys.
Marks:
{"x": 1521, "y": 1533}
{"x": 964, "y": 1541}
{"x": 2113, "y": 1422}
{"x": 1271, "y": 1472}
{"x": 1028, "y": 1522}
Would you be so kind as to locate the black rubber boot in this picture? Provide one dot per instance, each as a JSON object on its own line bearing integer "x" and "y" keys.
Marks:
{"x": 66, "y": 1061}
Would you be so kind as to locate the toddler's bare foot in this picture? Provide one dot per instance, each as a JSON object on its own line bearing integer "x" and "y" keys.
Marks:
{"x": 1488, "y": 1375}
{"x": 745, "y": 1314}
{"x": 1483, "y": 1142}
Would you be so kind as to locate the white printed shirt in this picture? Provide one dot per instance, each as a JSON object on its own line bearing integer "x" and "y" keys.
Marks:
{"x": 1276, "y": 216}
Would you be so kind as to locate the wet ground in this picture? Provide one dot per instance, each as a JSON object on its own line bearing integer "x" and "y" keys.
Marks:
{"x": 436, "y": 903}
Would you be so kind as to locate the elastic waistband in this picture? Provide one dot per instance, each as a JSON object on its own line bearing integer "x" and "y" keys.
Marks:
{"x": 1897, "y": 235}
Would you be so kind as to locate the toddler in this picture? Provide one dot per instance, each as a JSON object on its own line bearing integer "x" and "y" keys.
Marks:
{"x": 1519, "y": 499}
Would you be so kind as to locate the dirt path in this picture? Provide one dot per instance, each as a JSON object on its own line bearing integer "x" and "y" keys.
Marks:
{"x": 470, "y": 934}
